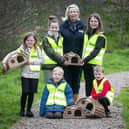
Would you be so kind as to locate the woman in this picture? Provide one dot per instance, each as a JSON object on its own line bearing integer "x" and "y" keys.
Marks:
{"x": 72, "y": 31}
{"x": 94, "y": 48}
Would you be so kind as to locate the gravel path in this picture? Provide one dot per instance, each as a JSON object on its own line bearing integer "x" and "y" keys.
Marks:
{"x": 115, "y": 122}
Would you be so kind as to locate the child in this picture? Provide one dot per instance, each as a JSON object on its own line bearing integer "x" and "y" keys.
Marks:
{"x": 52, "y": 47}
{"x": 102, "y": 89}
{"x": 56, "y": 95}
{"x": 95, "y": 45}
{"x": 30, "y": 72}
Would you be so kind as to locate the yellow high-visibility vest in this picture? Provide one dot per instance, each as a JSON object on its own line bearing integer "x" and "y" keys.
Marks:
{"x": 56, "y": 94}
{"x": 32, "y": 57}
{"x": 89, "y": 45}
{"x": 99, "y": 88}
{"x": 57, "y": 47}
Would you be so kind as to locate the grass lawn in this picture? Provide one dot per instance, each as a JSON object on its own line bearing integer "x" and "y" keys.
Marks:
{"x": 124, "y": 99}
{"x": 116, "y": 61}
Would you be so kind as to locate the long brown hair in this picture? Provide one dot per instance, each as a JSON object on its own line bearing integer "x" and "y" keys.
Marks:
{"x": 28, "y": 34}
{"x": 98, "y": 17}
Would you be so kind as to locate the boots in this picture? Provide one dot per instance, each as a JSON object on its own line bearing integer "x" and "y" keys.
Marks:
{"x": 75, "y": 96}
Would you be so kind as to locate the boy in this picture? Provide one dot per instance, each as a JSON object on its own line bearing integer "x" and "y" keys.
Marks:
{"x": 102, "y": 89}
{"x": 56, "y": 95}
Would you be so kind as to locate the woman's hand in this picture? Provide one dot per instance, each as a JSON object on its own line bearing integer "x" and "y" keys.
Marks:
{"x": 66, "y": 63}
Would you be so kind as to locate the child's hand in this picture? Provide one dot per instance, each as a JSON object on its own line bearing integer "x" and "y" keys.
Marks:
{"x": 4, "y": 68}
{"x": 90, "y": 97}
{"x": 29, "y": 62}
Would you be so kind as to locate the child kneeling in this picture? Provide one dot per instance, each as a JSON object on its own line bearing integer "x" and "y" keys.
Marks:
{"x": 102, "y": 89}
{"x": 56, "y": 95}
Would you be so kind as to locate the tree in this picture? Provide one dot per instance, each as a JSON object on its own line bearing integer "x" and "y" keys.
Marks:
{"x": 120, "y": 10}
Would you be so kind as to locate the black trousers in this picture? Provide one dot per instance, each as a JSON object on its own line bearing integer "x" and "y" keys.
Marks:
{"x": 105, "y": 102}
{"x": 26, "y": 98}
{"x": 29, "y": 87}
{"x": 89, "y": 77}
{"x": 72, "y": 74}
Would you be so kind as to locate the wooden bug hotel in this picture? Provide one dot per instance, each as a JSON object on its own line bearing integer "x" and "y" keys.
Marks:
{"x": 16, "y": 61}
{"x": 84, "y": 108}
{"x": 73, "y": 59}
{"x": 74, "y": 112}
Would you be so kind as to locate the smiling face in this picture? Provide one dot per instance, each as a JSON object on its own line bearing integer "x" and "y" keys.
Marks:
{"x": 54, "y": 27}
{"x": 73, "y": 14}
{"x": 57, "y": 74}
{"x": 94, "y": 23}
{"x": 30, "y": 41}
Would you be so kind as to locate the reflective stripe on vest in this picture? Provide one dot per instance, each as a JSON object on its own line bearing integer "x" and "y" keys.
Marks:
{"x": 56, "y": 95}
{"x": 99, "y": 88}
{"x": 89, "y": 46}
{"x": 32, "y": 57}
{"x": 57, "y": 47}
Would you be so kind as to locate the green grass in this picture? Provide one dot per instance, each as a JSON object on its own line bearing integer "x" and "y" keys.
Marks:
{"x": 10, "y": 91}
{"x": 9, "y": 99}
{"x": 124, "y": 99}
{"x": 116, "y": 61}
{"x": 10, "y": 87}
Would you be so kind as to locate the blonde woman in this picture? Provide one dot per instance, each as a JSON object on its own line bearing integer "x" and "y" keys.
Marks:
{"x": 72, "y": 30}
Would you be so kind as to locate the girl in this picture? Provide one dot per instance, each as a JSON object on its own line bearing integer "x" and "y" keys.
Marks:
{"x": 52, "y": 47}
{"x": 30, "y": 72}
{"x": 95, "y": 45}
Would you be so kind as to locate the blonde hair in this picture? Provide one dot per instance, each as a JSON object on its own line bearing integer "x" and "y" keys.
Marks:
{"x": 98, "y": 68}
{"x": 59, "y": 69}
{"x": 67, "y": 11}
{"x": 98, "y": 17}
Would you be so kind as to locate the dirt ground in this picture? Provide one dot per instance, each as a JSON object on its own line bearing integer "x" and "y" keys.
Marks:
{"x": 118, "y": 80}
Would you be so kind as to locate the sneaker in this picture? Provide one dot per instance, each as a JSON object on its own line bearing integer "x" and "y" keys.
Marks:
{"x": 29, "y": 114}
{"x": 21, "y": 113}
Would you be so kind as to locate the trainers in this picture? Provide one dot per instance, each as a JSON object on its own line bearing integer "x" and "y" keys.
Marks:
{"x": 21, "y": 113}
{"x": 29, "y": 114}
